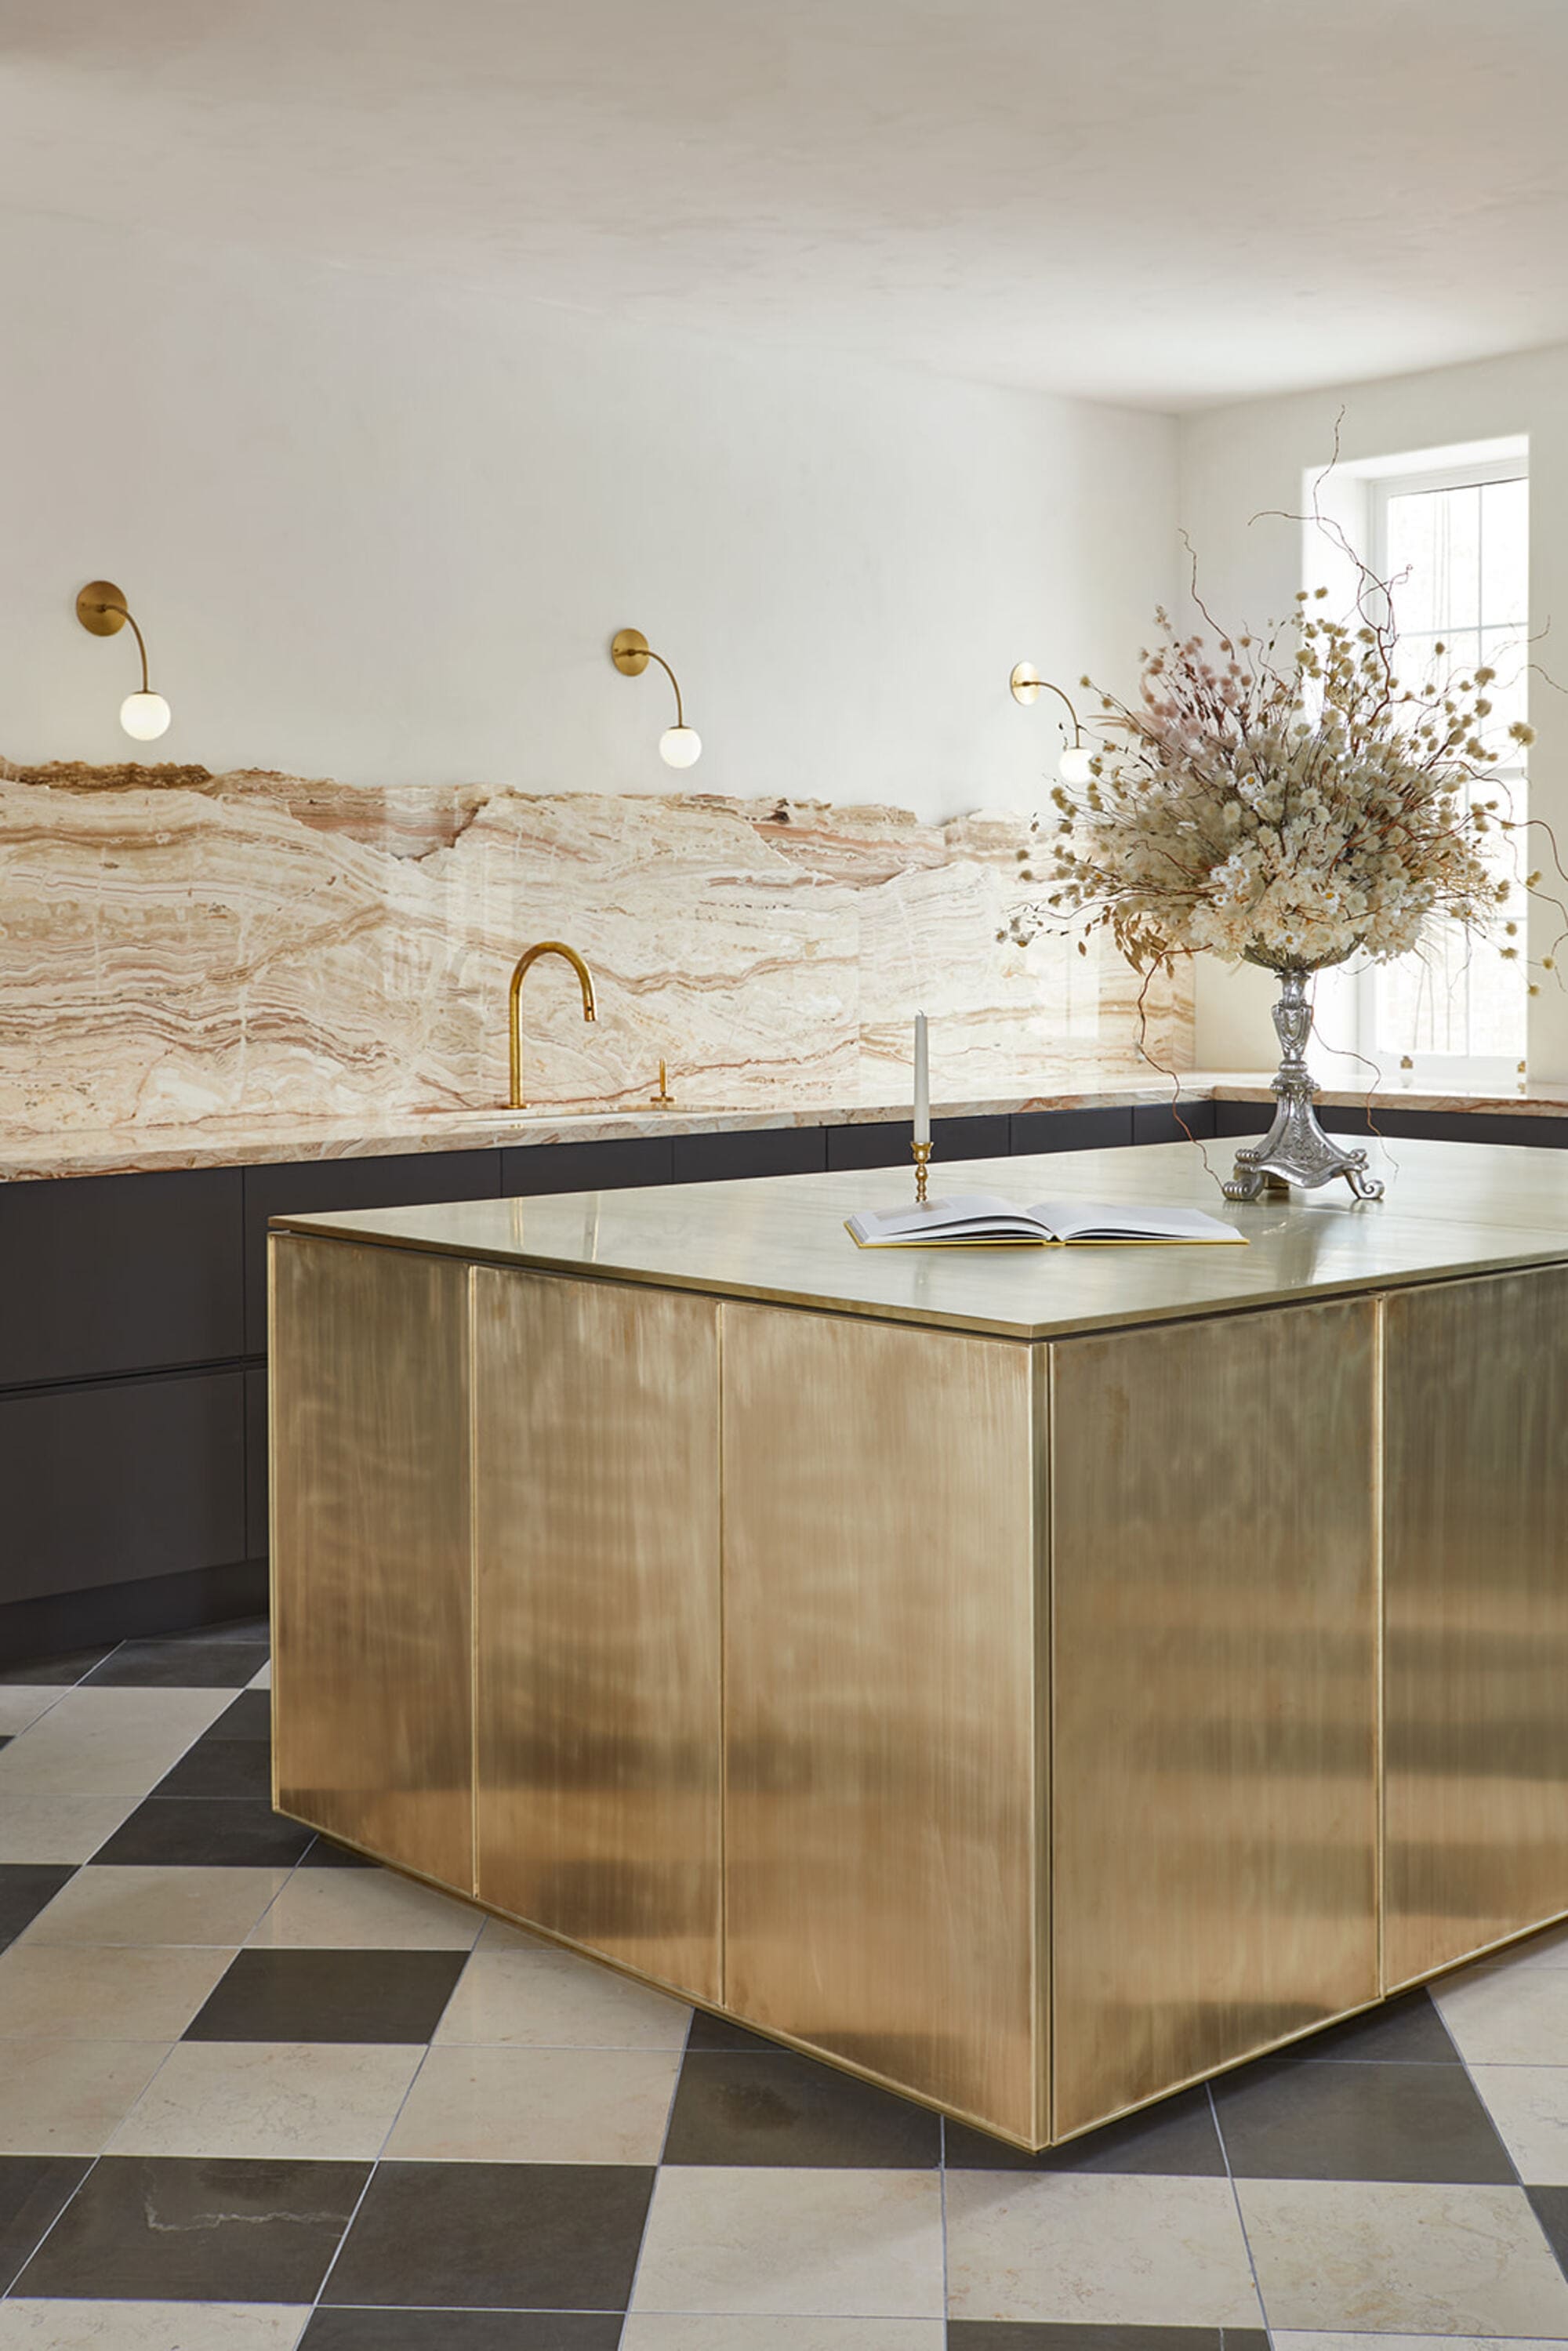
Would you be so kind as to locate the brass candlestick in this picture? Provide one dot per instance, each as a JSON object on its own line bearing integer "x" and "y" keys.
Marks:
{"x": 922, "y": 1160}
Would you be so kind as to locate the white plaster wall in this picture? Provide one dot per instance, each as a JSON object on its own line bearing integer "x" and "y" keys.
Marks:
{"x": 383, "y": 528}
{"x": 1236, "y": 463}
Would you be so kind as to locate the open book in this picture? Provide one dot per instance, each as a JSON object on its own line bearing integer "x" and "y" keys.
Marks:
{"x": 978, "y": 1219}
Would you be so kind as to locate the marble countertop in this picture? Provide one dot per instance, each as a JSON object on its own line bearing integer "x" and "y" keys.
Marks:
{"x": 132, "y": 1149}
{"x": 1453, "y": 1209}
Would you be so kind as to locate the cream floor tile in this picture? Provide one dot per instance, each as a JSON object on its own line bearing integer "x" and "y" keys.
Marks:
{"x": 25, "y": 1704}
{"x": 150, "y": 2326}
{"x": 1388, "y": 2256}
{"x": 58, "y": 1828}
{"x": 656, "y": 2332}
{"x": 116, "y": 1905}
{"x": 850, "y": 2244}
{"x": 365, "y": 1910}
{"x": 533, "y": 1997}
{"x": 65, "y": 2097}
{"x": 262, "y": 1680}
{"x": 83, "y": 1992}
{"x": 1111, "y": 2251}
{"x": 1528, "y": 2104}
{"x": 101, "y": 1742}
{"x": 311, "y": 2100}
{"x": 1503, "y": 2015}
{"x": 538, "y": 2106}
{"x": 500, "y": 1935}
{"x": 1291, "y": 2341}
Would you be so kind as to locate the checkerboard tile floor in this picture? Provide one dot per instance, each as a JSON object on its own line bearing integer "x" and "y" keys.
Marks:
{"x": 256, "y": 2093}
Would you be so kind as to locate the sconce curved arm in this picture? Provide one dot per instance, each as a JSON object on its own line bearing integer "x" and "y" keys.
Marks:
{"x": 674, "y": 681}
{"x": 1026, "y": 686}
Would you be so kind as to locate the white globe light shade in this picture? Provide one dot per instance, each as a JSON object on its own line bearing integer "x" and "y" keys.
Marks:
{"x": 145, "y": 715}
{"x": 680, "y": 746}
{"x": 1076, "y": 764}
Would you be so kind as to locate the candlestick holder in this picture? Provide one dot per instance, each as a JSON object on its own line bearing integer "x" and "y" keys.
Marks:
{"x": 922, "y": 1160}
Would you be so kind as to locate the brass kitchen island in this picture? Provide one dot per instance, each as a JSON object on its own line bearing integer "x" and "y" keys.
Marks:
{"x": 1034, "y": 1680}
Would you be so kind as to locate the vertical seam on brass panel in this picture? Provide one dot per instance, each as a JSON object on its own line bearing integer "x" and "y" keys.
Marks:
{"x": 722, "y": 1568}
{"x": 473, "y": 1405}
{"x": 1380, "y": 1726}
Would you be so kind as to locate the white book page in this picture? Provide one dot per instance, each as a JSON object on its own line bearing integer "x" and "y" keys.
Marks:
{"x": 1099, "y": 1219}
{"x": 968, "y": 1213}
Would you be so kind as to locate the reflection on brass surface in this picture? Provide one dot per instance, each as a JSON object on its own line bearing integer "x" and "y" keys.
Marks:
{"x": 1476, "y": 1574}
{"x": 884, "y": 1862}
{"x": 371, "y": 1576}
{"x": 1214, "y": 1641}
{"x": 596, "y": 1550}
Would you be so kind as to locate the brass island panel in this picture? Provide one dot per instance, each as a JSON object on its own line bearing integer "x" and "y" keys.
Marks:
{"x": 884, "y": 1876}
{"x": 1214, "y": 1671}
{"x": 1476, "y": 1572}
{"x": 597, "y": 1617}
{"x": 372, "y": 1631}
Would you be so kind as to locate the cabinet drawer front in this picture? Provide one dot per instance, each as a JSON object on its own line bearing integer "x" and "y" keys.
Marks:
{"x": 118, "y": 1274}
{"x": 110, "y": 1484}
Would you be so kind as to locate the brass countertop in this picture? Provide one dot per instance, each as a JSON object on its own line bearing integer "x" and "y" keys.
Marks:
{"x": 1452, "y": 1208}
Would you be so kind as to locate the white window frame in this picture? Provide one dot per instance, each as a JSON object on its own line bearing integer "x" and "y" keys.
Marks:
{"x": 1355, "y": 995}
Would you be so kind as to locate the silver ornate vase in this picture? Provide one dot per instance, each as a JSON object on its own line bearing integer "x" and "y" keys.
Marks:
{"x": 1296, "y": 1150}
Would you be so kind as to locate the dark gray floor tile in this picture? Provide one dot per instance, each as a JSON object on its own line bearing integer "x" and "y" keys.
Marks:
{"x": 324, "y": 1854}
{"x": 250, "y": 1717}
{"x": 1176, "y": 2137}
{"x": 1358, "y": 2122}
{"x": 65, "y": 1669}
{"x": 226, "y": 1771}
{"x": 740, "y": 2106}
{"x": 1407, "y": 2031}
{"x": 520, "y": 2236}
{"x": 33, "y": 2188}
{"x": 172, "y": 2229}
{"x": 26, "y": 1887}
{"x": 256, "y": 1631}
{"x": 206, "y": 1833}
{"x": 6, "y": 1739}
{"x": 1550, "y": 2209}
{"x": 319, "y": 1995}
{"x": 182, "y": 1663}
{"x": 987, "y": 2334}
{"x": 717, "y": 2032}
{"x": 463, "y": 2330}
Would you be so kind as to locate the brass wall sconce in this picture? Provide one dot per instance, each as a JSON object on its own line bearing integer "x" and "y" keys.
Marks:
{"x": 1026, "y": 686}
{"x": 680, "y": 745}
{"x": 103, "y": 612}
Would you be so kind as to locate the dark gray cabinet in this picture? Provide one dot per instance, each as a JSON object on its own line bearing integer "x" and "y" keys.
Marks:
{"x": 107, "y": 1485}
{"x": 118, "y": 1274}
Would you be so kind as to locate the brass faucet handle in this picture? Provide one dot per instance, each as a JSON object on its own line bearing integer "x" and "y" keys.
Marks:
{"x": 664, "y": 1098}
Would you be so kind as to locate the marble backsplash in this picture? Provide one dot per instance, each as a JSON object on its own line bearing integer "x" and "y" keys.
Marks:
{"x": 176, "y": 946}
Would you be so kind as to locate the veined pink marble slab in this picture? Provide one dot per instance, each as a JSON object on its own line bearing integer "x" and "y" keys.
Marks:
{"x": 179, "y": 948}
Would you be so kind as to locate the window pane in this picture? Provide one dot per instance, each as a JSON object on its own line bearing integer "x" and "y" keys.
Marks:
{"x": 1505, "y": 553}
{"x": 1433, "y": 557}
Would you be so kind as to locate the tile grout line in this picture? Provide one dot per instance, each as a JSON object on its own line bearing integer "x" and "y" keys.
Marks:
{"x": 658, "y": 2166}
{"x": 1512, "y": 2161}
{"x": 1241, "y": 2219}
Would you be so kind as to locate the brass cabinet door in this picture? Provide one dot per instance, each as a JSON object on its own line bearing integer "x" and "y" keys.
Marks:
{"x": 1214, "y": 1694}
{"x": 884, "y": 1871}
{"x": 371, "y": 1623}
{"x": 597, "y": 1616}
{"x": 1476, "y": 1576}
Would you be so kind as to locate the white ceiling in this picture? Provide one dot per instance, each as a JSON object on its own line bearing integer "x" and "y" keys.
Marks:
{"x": 1165, "y": 202}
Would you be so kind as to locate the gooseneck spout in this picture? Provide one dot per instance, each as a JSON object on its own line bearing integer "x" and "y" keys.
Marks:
{"x": 585, "y": 981}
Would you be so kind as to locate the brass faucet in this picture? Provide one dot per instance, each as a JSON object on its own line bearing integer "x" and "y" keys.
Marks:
{"x": 585, "y": 980}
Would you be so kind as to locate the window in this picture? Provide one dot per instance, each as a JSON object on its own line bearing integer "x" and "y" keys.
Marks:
{"x": 1454, "y": 545}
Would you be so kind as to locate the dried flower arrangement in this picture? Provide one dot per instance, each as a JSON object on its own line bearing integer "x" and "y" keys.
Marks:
{"x": 1281, "y": 798}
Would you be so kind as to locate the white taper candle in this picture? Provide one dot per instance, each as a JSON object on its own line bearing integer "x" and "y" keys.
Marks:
{"x": 922, "y": 1084}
